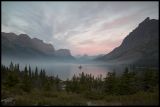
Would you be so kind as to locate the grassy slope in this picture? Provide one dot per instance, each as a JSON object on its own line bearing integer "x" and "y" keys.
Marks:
{"x": 39, "y": 97}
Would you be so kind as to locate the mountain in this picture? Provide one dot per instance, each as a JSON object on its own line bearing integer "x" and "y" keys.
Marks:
{"x": 86, "y": 57}
{"x": 63, "y": 53}
{"x": 140, "y": 47}
{"x": 22, "y": 46}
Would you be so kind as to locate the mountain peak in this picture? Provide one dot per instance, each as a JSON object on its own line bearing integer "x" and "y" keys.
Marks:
{"x": 24, "y": 36}
{"x": 36, "y": 39}
{"x": 147, "y": 19}
{"x": 148, "y": 22}
{"x": 63, "y": 52}
{"x": 140, "y": 46}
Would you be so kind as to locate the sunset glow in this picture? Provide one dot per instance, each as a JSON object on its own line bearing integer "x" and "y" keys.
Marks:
{"x": 83, "y": 27}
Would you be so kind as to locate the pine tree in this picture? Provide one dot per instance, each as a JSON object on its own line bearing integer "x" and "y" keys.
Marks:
{"x": 11, "y": 66}
{"x": 30, "y": 72}
{"x": 150, "y": 79}
{"x": 68, "y": 87}
{"x": 110, "y": 83}
{"x": 26, "y": 81}
{"x": 36, "y": 73}
{"x": 57, "y": 83}
{"x": 25, "y": 71}
{"x": 123, "y": 86}
{"x": 12, "y": 79}
{"x": 43, "y": 73}
{"x": 82, "y": 78}
{"x": 128, "y": 82}
{"x": 74, "y": 84}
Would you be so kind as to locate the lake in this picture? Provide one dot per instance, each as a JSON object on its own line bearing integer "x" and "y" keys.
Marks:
{"x": 66, "y": 70}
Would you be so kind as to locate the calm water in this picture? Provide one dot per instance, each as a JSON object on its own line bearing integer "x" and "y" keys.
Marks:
{"x": 67, "y": 70}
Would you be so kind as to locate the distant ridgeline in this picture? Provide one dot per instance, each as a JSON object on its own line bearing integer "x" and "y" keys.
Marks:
{"x": 23, "y": 47}
{"x": 140, "y": 47}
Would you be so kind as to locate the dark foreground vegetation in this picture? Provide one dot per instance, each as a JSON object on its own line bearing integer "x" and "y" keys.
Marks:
{"x": 34, "y": 87}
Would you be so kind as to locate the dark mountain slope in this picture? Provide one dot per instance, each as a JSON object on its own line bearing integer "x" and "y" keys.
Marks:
{"x": 140, "y": 47}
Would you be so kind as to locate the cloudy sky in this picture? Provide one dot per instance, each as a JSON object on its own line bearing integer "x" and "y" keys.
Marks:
{"x": 83, "y": 27}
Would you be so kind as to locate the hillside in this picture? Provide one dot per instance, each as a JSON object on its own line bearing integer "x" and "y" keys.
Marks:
{"x": 139, "y": 47}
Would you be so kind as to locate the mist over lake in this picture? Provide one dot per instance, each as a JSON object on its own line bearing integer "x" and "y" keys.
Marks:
{"x": 66, "y": 70}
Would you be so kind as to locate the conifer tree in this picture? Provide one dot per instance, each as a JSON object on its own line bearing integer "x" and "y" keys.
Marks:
{"x": 110, "y": 83}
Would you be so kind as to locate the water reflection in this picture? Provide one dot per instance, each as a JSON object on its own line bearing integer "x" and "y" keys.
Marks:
{"x": 65, "y": 71}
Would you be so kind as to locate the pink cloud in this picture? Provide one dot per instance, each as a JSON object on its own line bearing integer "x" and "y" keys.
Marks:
{"x": 122, "y": 21}
{"x": 103, "y": 47}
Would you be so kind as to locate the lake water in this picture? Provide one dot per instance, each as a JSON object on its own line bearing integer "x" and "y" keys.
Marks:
{"x": 67, "y": 70}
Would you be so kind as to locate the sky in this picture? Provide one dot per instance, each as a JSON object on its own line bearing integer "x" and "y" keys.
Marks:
{"x": 82, "y": 27}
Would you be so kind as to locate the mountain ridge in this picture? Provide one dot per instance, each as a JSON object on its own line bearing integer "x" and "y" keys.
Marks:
{"x": 24, "y": 46}
{"x": 139, "y": 45}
